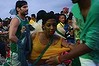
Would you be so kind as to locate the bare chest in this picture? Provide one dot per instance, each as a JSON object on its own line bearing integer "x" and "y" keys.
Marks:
{"x": 84, "y": 14}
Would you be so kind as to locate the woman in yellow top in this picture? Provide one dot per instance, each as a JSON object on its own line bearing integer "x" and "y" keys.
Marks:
{"x": 41, "y": 39}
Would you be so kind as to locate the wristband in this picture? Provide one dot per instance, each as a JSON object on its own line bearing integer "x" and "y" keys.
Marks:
{"x": 58, "y": 59}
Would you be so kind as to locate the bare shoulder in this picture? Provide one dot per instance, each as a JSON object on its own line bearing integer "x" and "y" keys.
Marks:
{"x": 15, "y": 21}
{"x": 13, "y": 26}
{"x": 57, "y": 37}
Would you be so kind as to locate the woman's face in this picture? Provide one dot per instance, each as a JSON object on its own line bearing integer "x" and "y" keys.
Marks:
{"x": 50, "y": 26}
{"x": 62, "y": 18}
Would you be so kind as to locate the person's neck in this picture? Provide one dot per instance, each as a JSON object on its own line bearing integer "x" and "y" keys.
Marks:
{"x": 84, "y": 4}
{"x": 21, "y": 16}
{"x": 48, "y": 36}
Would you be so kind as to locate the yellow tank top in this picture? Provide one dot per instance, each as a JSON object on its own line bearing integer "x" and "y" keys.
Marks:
{"x": 53, "y": 50}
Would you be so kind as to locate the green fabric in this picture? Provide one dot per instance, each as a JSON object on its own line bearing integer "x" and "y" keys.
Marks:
{"x": 76, "y": 62}
{"x": 18, "y": 33}
{"x": 89, "y": 29}
{"x": 79, "y": 20}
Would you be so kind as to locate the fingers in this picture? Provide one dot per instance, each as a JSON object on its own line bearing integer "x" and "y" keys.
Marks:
{"x": 52, "y": 61}
{"x": 49, "y": 61}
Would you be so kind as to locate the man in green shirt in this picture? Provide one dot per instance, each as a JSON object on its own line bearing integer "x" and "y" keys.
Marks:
{"x": 87, "y": 15}
{"x": 15, "y": 29}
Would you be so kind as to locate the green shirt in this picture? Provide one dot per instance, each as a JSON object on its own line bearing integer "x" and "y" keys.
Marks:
{"x": 89, "y": 30}
{"x": 18, "y": 33}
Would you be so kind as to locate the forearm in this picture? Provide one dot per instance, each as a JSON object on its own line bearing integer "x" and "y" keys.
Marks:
{"x": 76, "y": 52}
{"x": 13, "y": 39}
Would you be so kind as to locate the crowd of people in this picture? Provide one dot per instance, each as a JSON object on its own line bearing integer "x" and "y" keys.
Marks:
{"x": 68, "y": 38}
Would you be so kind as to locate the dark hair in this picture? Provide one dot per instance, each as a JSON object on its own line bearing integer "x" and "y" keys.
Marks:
{"x": 48, "y": 16}
{"x": 69, "y": 18}
{"x": 64, "y": 16}
{"x": 0, "y": 20}
{"x": 52, "y": 12}
{"x": 70, "y": 15}
{"x": 33, "y": 15}
{"x": 19, "y": 4}
{"x": 61, "y": 12}
{"x": 57, "y": 17}
{"x": 28, "y": 18}
{"x": 40, "y": 14}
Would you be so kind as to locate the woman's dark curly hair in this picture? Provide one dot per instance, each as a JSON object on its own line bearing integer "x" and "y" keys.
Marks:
{"x": 48, "y": 16}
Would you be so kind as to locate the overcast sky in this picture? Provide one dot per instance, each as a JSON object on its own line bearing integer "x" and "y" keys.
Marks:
{"x": 34, "y": 6}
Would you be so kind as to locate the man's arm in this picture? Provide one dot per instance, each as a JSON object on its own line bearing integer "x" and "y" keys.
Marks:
{"x": 12, "y": 30}
{"x": 75, "y": 52}
{"x": 67, "y": 45}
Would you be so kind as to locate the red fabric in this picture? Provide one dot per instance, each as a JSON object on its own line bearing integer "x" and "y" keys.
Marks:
{"x": 8, "y": 54}
{"x": 66, "y": 61}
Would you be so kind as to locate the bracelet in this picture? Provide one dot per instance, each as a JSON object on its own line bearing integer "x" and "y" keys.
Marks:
{"x": 58, "y": 59}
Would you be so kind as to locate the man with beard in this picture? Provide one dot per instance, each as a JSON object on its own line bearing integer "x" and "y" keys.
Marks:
{"x": 17, "y": 23}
